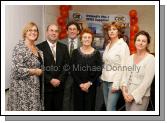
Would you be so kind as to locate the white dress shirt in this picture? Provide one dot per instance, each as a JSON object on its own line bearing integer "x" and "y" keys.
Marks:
{"x": 139, "y": 81}
{"x": 114, "y": 58}
{"x": 51, "y": 45}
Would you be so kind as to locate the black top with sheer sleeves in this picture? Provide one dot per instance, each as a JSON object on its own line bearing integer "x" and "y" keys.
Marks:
{"x": 86, "y": 67}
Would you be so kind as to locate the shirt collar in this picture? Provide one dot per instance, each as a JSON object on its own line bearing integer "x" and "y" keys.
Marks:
{"x": 50, "y": 44}
{"x": 75, "y": 40}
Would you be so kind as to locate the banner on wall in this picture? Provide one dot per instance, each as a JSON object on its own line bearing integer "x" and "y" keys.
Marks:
{"x": 97, "y": 22}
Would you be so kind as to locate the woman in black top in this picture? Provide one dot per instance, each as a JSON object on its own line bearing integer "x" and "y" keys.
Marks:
{"x": 86, "y": 64}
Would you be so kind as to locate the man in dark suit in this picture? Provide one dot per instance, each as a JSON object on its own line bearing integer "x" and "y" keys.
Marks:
{"x": 55, "y": 60}
{"x": 72, "y": 42}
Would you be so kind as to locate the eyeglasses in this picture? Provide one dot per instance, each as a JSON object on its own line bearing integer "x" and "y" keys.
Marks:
{"x": 30, "y": 30}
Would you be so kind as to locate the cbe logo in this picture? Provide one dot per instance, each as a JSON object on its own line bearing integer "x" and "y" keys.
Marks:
{"x": 120, "y": 18}
{"x": 77, "y": 16}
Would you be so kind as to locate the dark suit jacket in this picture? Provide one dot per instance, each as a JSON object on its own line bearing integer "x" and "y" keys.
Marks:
{"x": 52, "y": 69}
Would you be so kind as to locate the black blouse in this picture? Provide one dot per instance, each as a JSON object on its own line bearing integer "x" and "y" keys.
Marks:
{"x": 86, "y": 67}
{"x": 40, "y": 67}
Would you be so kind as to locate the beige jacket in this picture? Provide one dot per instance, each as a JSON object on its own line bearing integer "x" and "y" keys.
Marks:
{"x": 139, "y": 77}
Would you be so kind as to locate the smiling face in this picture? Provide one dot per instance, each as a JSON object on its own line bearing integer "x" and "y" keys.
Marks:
{"x": 113, "y": 32}
{"x": 31, "y": 34}
{"x": 52, "y": 33}
{"x": 86, "y": 39}
{"x": 72, "y": 31}
{"x": 141, "y": 42}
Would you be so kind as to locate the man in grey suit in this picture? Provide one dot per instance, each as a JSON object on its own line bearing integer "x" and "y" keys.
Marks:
{"x": 72, "y": 42}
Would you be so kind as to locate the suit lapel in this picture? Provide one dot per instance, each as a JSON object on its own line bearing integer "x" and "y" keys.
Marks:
{"x": 66, "y": 42}
{"x": 58, "y": 51}
{"x": 48, "y": 48}
{"x": 48, "y": 51}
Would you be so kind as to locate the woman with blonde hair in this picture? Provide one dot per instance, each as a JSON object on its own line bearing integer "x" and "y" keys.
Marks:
{"x": 25, "y": 91}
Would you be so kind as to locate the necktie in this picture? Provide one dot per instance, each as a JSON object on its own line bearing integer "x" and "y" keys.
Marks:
{"x": 71, "y": 47}
{"x": 53, "y": 51}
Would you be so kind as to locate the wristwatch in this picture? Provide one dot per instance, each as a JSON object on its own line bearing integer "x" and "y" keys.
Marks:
{"x": 90, "y": 83}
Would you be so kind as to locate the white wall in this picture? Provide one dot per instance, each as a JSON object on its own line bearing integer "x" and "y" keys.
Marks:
{"x": 51, "y": 13}
{"x": 15, "y": 19}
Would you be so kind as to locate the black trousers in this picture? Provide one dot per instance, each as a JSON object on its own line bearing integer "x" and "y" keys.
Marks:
{"x": 53, "y": 101}
{"x": 68, "y": 95}
{"x": 100, "y": 105}
{"x": 84, "y": 101}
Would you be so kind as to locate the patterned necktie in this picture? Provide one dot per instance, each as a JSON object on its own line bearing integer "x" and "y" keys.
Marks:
{"x": 71, "y": 46}
{"x": 53, "y": 51}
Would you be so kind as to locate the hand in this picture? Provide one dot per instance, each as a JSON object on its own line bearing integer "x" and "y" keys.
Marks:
{"x": 113, "y": 90}
{"x": 128, "y": 98}
{"x": 35, "y": 71}
{"x": 87, "y": 85}
{"x": 125, "y": 94}
{"x": 55, "y": 82}
{"x": 38, "y": 71}
{"x": 84, "y": 87}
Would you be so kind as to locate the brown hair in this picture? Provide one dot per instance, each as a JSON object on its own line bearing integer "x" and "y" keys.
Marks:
{"x": 120, "y": 27}
{"x": 74, "y": 23}
{"x": 142, "y": 32}
{"x": 87, "y": 30}
{"x": 27, "y": 27}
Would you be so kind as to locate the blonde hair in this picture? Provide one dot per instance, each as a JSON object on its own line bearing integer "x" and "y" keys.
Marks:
{"x": 27, "y": 27}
